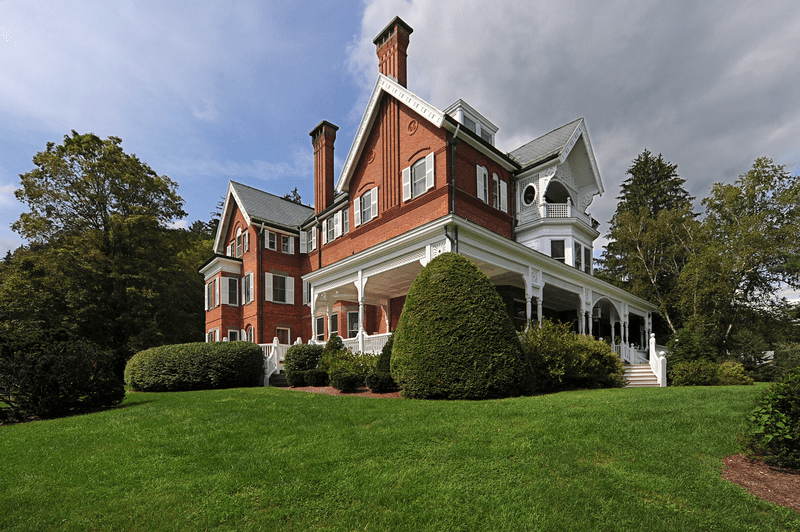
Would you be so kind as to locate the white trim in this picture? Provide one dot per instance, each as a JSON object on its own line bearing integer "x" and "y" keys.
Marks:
{"x": 429, "y": 171}
{"x": 386, "y": 85}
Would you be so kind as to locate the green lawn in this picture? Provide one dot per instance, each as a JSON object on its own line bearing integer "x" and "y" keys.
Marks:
{"x": 273, "y": 459}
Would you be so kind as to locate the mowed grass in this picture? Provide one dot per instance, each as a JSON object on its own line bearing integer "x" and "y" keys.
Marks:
{"x": 274, "y": 459}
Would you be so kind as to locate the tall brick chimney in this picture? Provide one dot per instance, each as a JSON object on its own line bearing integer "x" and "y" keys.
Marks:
{"x": 322, "y": 138}
{"x": 392, "y": 46}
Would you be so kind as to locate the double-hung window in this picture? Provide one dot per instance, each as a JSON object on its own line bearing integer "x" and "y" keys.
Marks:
{"x": 557, "y": 250}
{"x": 493, "y": 192}
{"x": 212, "y": 294}
{"x": 287, "y": 244}
{"x": 233, "y": 335}
{"x": 365, "y": 207}
{"x": 334, "y": 324}
{"x": 587, "y": 260}
{"x": 279, "y": 288}
{"x": 352, "y": 324}
{"x": 578, "y": 256}
{"x": 418, "y": 178}
{"x": 320, "y": 328}
{"x": 483, "y": 183}
{"x": 247, "y": 288}
{"x": 271, "y": 241}
{"x": 230, "y": 291}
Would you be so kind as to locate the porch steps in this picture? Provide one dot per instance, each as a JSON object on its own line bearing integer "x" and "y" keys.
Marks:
{"x": 278, "y": 380}
{"x": 640, "y": 376}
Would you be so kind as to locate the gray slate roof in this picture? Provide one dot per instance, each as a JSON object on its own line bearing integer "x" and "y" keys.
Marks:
{"x": 545, "y": 146}
{"x": 266, "y": 207}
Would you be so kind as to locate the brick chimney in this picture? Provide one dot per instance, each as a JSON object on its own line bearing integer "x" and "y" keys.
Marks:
{"x": 392, "y": 44}
{"x": 322, "y": 138}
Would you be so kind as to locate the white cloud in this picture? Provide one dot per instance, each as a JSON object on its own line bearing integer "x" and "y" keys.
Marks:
{"x": 710, "y": 86}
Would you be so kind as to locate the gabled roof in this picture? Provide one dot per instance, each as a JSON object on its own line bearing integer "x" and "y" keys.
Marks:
{"x": 258, "y": 206}
{"x": 546, "y": 146}
{"x": 387, "y": 85}
{"x": 557, "y": 145}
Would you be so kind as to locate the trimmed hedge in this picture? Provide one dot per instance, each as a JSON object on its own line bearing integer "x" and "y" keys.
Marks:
{"x": 196, "y": 366}
{"x": 54, "y": 379}
{"x": 381, "y": 382}
{"x": 346, "y": 381}
{"x": 454, "y": 339}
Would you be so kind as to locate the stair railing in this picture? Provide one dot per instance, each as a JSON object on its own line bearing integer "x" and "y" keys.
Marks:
{"x": 270, "y": 359}
{"x": 658, "y": 362}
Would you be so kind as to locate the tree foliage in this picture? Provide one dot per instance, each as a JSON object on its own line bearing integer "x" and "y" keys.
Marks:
{"x": 103, "y": 264}
{"x": 651, "y": 234}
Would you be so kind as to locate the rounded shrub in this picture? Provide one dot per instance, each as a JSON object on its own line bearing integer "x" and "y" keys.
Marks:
{"x": 732, "y": 374}
{"x": 316, "y": 377}
{"x": 58, "y": 378}
{"x": 774, "y": 426}
{"x": 196, "y": 366}
{"x": 454, "y": 339}
{"x": 299, "y": 360}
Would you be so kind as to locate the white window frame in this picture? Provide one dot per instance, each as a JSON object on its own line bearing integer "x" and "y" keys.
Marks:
{"x": 212, "y": 294}
{"x": 483, "y": 183}
{"x": 212, "y": 335}
{"x": 563, "y": 244}
{"x": 334, "y": 320}
{"x": 233, "y": 333}
{"x": 418, "y": 178}
{"x": 288, "y": 335}
{"x": 238, "y": 243}
{"x": 588, "y": 259}
{"x": 331, "y": 229}
{"x": 230, "y": 288}
{"x": 269, "y": 293}
{"x": 271, "y": 241}
{"x": 247, "y": 288}
{"x": 321, "y": 329}
{"x": 304, "y": 242}
{"x": 577, "y": 255}
{"x": 495, "y": 191}
{"x": 313, "y": 238}
{"x": 349, "y": 330}
{"x": 366, "y": 204}
{"x": 287, "y": 244}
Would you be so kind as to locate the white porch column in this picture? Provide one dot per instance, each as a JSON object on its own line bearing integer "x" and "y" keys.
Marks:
{"x": 361, "y": 286}
{"x": 313, "y": 314}
{"x": 539, "y": 309}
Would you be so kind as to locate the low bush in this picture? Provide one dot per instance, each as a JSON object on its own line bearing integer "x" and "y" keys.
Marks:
{"x": 732, "y": 374}
{"x": 299, "y": 360}
{"x": 344, "y": 361}
{"x": 705, "y": 373}
{"x": 316, "y": 377}
{"x": 385, "y": 358}
{"x": 773, "y": 428}
{"x": 381, "y": 382}
{"x": 346, "y": 381}
{"x": 296, "y": 378}
{"x": 58, "y": 378}
{"x": 196, "y": 366}
{"x": 561, "y": 360}
{"x": 692, "y": 373}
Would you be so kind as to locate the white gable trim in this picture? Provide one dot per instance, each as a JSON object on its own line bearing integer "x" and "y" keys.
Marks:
{"x": 227, "y": 208}
{"x": 391, "y": 87}
{"x": 581, "y": 130}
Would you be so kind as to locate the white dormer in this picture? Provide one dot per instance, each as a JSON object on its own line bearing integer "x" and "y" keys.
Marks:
{"x": 473, "y": 120}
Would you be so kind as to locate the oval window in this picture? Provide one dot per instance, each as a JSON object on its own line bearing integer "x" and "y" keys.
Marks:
{"x": 529, "y": 194}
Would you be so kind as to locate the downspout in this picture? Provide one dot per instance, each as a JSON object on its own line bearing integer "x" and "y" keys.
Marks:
{"x": 260, "y": 295}
{"x": 453, "y": 238}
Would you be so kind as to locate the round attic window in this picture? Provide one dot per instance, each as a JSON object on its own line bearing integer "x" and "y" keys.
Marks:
{"x": 529, "y": 194}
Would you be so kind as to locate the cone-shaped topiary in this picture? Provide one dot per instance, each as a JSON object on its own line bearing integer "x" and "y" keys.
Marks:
{"x": 454, "y": 339}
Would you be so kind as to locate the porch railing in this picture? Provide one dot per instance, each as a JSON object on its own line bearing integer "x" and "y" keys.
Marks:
{"x": 372, "y": 343}
{"x": 565, "y": 210}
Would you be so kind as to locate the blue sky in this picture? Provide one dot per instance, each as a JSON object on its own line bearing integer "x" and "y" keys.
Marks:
{"x": 206, "y": 92}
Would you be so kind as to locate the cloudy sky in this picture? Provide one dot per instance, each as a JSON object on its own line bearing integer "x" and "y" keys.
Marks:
{"x": 206, "y": 92}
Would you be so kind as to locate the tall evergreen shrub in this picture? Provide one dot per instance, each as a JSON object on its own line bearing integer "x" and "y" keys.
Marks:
{"x": 454, "y": 339}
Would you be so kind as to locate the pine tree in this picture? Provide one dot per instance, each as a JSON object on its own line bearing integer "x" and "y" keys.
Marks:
{"x": 651, "y": 234}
